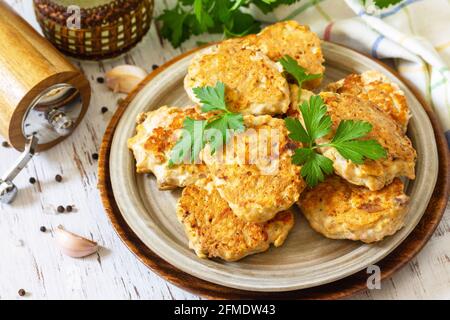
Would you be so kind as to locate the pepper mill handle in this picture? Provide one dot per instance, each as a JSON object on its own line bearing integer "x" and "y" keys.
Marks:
{"x": 8, "y": 190}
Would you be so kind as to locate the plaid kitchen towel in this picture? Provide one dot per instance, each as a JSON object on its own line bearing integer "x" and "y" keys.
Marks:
{"x": 415, "y": 33}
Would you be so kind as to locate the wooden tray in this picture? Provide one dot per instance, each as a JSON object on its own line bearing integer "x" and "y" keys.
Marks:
{"x": 337, "y": 289}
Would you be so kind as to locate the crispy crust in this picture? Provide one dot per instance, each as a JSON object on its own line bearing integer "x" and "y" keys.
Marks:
{"x": 155, "y": 137}
{"x": 291, "y": 38}
{"x": 339, "y": 210}
{"x": 254, "y": 83}
{"x": 257, "y": 190}
{"x": 374, "y": 174}
{"x": 214, "y": 231}
{"x": 376, "y": 87}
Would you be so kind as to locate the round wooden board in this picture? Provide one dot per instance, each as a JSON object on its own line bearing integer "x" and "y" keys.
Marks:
{"x": 338, "y": 289}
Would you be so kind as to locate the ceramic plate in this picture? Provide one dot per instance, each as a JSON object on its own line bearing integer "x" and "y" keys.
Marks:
{"x": 306, "y": 259}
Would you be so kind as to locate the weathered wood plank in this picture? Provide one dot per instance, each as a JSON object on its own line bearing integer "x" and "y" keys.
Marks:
{"x": 31, "y": 261}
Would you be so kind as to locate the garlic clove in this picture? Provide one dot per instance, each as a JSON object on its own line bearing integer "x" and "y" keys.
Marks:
{"x": 124, "y": 78}
{"x": 73, "y": 245}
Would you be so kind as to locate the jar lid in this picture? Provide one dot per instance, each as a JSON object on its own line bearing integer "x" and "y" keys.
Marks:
{"x": 85, "y": 4}
{"x": 93, "y": 13}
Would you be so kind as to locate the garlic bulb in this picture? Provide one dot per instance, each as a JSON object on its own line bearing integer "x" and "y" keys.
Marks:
{"x": 124, "y": 78}
{"x": 73, "y": 245}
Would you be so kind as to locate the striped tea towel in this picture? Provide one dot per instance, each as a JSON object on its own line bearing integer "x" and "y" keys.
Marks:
{"x": 415, "y": 33}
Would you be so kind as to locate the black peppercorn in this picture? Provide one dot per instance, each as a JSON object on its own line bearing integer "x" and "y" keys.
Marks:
{"x": 104, "y": 109}
{"x": 5, "y": 144}
{"x": 95, "y": 156}
{"x": 69, "y": 208}
{"x": 32, "y": 180}
{"x": 100, "y": 80}
{"x": 43, "y": 229}
{"x": 155, "y": 66}
{"x": 22, "y": 292}
{"x": 60, "y": 209}
{"x": 58, "y": 178}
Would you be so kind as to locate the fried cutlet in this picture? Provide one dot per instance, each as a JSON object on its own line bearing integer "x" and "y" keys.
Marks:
{"x": 295, "y": 40}
{"x": 154, "y": 139}
{"x": 340, "y": 210}
{"x": 214, "y": 231}
{"x": 255, "y": 173}
{"x": 254, "y": 84}
{"x": 374, "y": 174}
{"x": 377, "y": 88}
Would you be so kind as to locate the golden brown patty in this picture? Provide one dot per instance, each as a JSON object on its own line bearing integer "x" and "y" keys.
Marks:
{"x": 374, "y": 174}
{"x": 254, "y": 84}
{"x": 155, "y": 138}
{"x": 291, "y": 38}
{"x": 339, "y": 210}
{"x": 376, "y": 87}
{"x": 257, "y": 180}
{"x": 214, "y": 231}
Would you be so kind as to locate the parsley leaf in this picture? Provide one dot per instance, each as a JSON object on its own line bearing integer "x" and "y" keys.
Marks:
{"x": 317, "y": 122}
{"x": 219, "y": 130}
{"x": 212, "y": 98}
{"x": 346, "y": 141}
{"x": 314, "y": 166}
{"x": 291, "y": 66}
{"x": 216, "y": 131}
{"x": 386, "y": 3}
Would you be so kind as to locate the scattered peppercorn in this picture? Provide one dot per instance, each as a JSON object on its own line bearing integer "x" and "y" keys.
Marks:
{"x": 100, "y": 80}
{"x": 5, "y": 144}
{"x": 119, "y": 101}
{"x": 22, "y": 292}
{"x": 155, "y": 66}
{"x": 60, "y": 209}
{"x": 95, "y": 156}
{"x": 32, "y": 180}
{"x": 104, "y": 109}
{"x": 43, "y": 229}
{"x": 69, "y": 208}
{"x": 58, "y": 178}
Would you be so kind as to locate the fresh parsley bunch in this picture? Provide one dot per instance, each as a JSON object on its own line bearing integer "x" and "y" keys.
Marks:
{"x": 317, "y": 124}
{"x": 195, "y": 17}
{"x": 216, "y": 131}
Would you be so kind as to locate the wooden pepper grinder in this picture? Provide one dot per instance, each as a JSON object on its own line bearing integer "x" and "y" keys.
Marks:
{"x": 43, "y": 97}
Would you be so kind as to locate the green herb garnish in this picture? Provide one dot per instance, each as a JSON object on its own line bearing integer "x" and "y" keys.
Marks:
{"x": 216, "y": 131}
{"x": 317, "y": 124}
{"x": 291, "y": 66}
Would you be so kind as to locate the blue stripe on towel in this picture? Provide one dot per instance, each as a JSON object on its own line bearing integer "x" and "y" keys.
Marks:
{"x": 375, "y": 46}
{"x": 397, "y": 8}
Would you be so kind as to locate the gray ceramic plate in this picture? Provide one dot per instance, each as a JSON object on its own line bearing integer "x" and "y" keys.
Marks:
{"x": 307, "y": 259}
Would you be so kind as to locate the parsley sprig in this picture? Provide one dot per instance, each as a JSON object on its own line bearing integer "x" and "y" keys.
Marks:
{"x": 317, "y": 124}
{"x": 291, "y": 67}
{"x": 216, "y": 131}
{"x": 346, "y": 140}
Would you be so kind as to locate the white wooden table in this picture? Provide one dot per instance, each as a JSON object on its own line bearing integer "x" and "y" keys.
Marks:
{"x": 30, "y": 260}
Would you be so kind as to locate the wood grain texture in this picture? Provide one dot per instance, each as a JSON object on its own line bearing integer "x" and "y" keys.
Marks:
{"x": 31, "y": 261}
{"x": 339, "y": 289}
{"x": 28, "y": 66}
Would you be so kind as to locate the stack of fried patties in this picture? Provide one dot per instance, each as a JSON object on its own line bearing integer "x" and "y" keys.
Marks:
{"x": 233, "y": 208}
